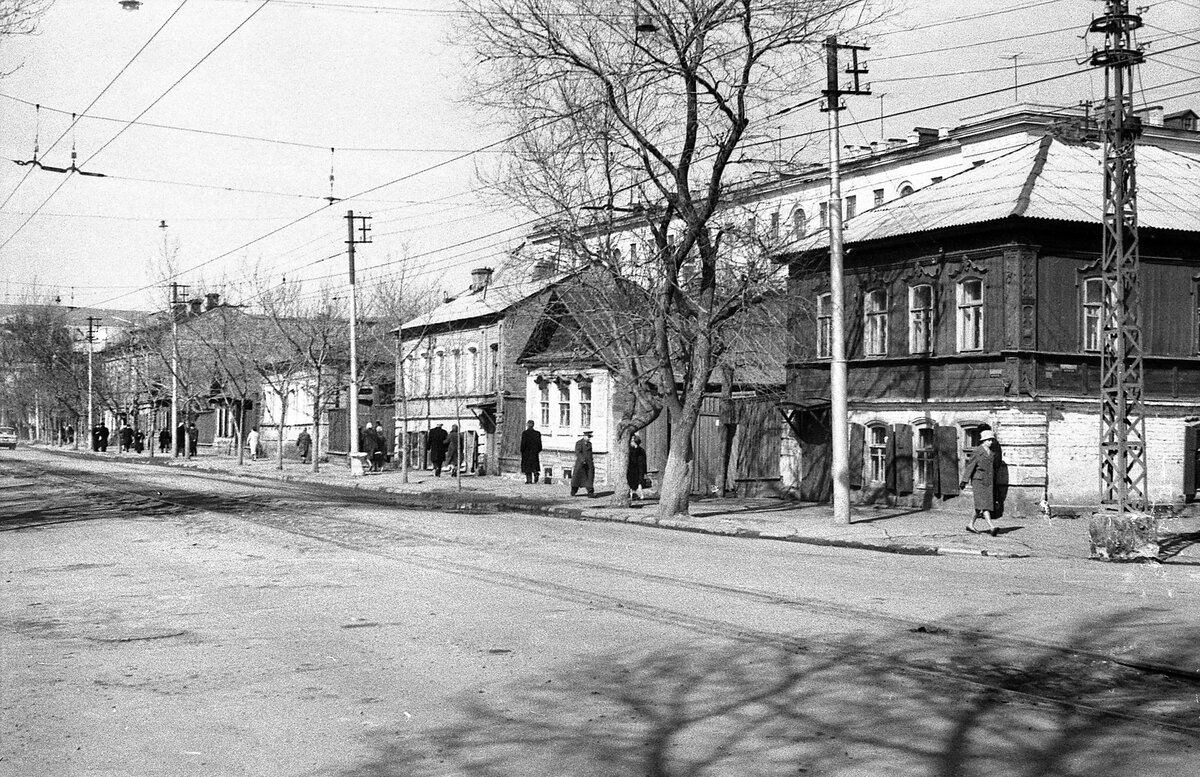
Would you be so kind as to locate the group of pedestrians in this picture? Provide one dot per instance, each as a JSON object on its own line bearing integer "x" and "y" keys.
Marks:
{"x": 373, "y": 443}
{"x": 583, "y": 469}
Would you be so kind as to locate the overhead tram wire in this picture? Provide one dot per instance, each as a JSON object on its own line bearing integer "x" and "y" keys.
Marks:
{"x": 76, "y": 118}
{"x": 624, "y": 189}
{"x": 355, "y": 196}
{"x": 156, "y": 100}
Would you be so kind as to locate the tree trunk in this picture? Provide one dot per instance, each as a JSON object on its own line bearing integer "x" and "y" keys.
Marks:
{"x": 316, "y": 432}
{"x": 677, "y": 477}
{"x": 238, "y": 425}
{"x": 279, "y": 439}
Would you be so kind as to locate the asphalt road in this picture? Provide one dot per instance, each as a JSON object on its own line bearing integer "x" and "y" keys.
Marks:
{"x": 157, "y": 622}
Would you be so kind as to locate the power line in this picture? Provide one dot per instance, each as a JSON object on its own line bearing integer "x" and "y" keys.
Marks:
{"x": 75, "y": 120}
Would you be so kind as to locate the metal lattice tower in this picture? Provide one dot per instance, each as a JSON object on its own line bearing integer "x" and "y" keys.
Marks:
{"x": 1122, "y": 424}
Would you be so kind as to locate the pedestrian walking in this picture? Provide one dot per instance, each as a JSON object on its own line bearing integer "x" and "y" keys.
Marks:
{"x": 453, "y": 450}
{"x": 164, "y": 440}
{"x": 139, "y": 441}
{"x": 103, "y": 437}
{"x": 193, "y": 439}
{"x": 125, "y": 438}
{"x": 180, "y": 438}
{"x": 531, "y": 447}
{"x": 382, "y": 447}
{"x": 370, "y": 444}
{"x": 583, "y": 474}
{"x": 304, "y": 445}
{"x": 436, "y": 443}
{"x": 70, "y": 434}
{"x": 252, "y": 441}
{"x": 635, "y": 472}
{"x": 981, "y": 474}
{"x": 96, "y": 438}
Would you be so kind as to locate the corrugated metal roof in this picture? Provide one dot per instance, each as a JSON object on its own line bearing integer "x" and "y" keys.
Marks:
{"x": 497, "y": 297}
{"x": 1046, "y": 179}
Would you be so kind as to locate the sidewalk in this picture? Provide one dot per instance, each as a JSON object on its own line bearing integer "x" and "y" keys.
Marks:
{"x": 893, "y": 530}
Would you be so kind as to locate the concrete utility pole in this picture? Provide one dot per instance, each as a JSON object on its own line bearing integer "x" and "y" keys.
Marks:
{"x": 356, "y": 465}
{"x": 1122, "y": 529}
{"x": 838, "y": 402}
{"x": 91, "y": 340}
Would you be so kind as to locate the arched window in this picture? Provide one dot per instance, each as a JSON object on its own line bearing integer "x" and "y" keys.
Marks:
{"x": 877, "y": 445}
{"x": 473, "y": 379}
{"x": 799, "y": 227}
{"x": 970, "y": 315}
{"x": 924, "y": 455}
{"x": 905, "y": 189}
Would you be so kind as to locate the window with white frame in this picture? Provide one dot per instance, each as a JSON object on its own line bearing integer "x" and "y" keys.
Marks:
{"x": 544, "y": 402}
{"x": 439, "y": 378}
{"x": 494, "y": 367}
{"x": 924, "y": 456}
{"x": 585, "y": 405}
{"x": 877, "y": 452}
{"x": 875, "y": 323}
{"x": 456, "y": 374}
{"x": 824, "y": 326}
{"x": 920, "y": 318}
{"x": 473, "y": 380}
{"x": 1093, "y": 304}
{"x": 970, "y": 315}
{"x": 775, "y": 225}
{"x": 798, "y": 226}
{"x": 851, "y": 206}
{"x": 564, "y": 404}
{"x": 878, "y": 196}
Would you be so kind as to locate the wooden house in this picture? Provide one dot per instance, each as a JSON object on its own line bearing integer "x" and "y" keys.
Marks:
{"x": 976, "y": 301}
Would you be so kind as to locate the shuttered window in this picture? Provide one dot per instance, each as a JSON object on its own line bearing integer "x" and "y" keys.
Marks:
{"x": 920, "y": 319}
{"x": 925, "y": 458}
{"x": 877, "y": 436}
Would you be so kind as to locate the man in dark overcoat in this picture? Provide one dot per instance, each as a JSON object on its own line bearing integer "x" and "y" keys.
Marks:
{"x": 981, "y": 474}
{"x": 193, "y": 438}
{"x": 583, "y": 474}
{"x": 436, "y": 442}
{"x": 103, "y": 435}
{"x": 531, "y": 446}
{"x": 164, "y": 440}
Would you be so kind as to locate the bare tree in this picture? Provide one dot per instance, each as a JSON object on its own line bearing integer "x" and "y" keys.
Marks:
{"x": 635, "y": 119}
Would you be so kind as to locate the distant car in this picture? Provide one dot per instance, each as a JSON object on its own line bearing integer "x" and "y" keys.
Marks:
{"x": 8, "y": 437}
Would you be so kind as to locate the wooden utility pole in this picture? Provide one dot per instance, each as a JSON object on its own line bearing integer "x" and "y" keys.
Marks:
{"x": 355, "y": 460}
{"x": 838, "y": 402}
{"x": 91, "y": 340}
{"x": 1122, "y": 529}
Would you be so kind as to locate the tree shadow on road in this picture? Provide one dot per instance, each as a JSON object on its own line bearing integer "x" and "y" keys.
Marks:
{"x": 905, "y": 704}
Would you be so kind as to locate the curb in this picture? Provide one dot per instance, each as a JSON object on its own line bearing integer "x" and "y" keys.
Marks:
{"x": 417, "y": 500}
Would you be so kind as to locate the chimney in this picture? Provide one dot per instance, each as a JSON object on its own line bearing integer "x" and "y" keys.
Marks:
{"x": 212, "y": 300}
{"x": 543, "y": 268}
{"x": 195, "y": 306}
{"x": 923, "y": 136}
{"x": 480, "y": 278}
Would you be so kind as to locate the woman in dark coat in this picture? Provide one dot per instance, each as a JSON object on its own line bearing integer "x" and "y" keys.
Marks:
{"x": 370, "y": 444}
{"x": 436, "y": 442}
{"x": 583, "y": 474}
{"x": 636, "y": 471}
{"x": 981, "y": 474}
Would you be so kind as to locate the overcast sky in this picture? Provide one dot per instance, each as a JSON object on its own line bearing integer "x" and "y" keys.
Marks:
{"x": 379, "y": 81}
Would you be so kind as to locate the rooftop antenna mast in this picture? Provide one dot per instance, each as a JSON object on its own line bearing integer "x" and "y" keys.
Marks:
{"x": 1122, "y": 530}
